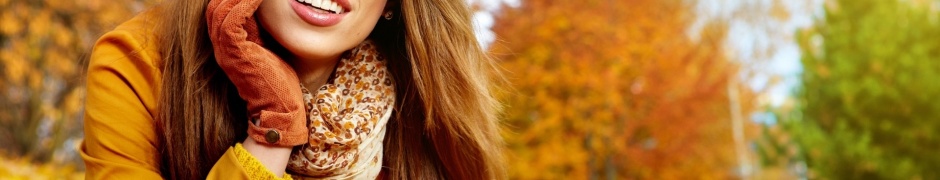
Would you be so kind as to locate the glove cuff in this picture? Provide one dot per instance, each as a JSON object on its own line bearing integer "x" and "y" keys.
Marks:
{"x": 279, "y": 129}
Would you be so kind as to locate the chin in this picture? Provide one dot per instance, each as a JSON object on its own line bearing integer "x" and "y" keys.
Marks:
{"x": 315, "y": 45}
{"x": 310, "y": 33}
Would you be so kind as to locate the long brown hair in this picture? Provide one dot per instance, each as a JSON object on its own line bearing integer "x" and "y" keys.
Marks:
{"x": 445, "y": 123}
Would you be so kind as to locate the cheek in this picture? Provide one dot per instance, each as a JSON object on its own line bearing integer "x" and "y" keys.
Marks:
{"x": 274, "y": 16}
{"x": 369, "y": 13}
{"x": 373, "y": 13}
{"x": 372, "y": 8}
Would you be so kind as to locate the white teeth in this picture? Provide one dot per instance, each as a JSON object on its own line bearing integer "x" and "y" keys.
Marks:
{"x": 328, "y": 5}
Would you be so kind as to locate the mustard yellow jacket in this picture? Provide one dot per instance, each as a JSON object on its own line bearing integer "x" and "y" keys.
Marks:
{"x": 123, "y": 85}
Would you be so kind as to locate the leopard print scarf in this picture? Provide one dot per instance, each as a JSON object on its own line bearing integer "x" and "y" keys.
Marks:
{"x": 346, "y": 119}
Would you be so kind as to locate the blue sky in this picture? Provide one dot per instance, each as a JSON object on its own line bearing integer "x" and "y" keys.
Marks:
{"x": 484, "y": 17}
{"x": 755, "y": 32}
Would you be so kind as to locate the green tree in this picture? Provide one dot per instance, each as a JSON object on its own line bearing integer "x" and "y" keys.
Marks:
{"x": 868, "y": 106}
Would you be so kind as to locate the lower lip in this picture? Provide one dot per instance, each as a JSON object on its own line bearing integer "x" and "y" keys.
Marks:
{"x": 313, "y": 17}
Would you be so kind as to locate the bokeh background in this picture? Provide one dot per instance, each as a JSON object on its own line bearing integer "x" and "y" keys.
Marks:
{"x": 601, "y": 89}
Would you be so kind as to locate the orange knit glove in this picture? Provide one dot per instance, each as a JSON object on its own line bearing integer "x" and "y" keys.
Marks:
{"x": 268, "y": 84}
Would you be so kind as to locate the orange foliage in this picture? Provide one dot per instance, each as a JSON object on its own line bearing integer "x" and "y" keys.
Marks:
{"x": 617, "y": 89}
{"x": 43, "y": 44}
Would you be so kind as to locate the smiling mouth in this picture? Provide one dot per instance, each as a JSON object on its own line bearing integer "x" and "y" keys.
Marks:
{"x": 328, "y": 6}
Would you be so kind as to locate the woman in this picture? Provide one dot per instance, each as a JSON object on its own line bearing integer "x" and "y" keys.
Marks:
{"x": 197, "y": 89}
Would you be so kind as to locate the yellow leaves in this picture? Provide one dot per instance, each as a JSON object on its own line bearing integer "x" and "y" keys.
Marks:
{"x": 111, "y": 15}
{"x": 73, "y": 103}
{"x": 22, "y": 168}
{"x": 60, "y": 65}
{"x": 590, "y": 74}
{"x": 39, "y": 24}
{"x": 15, "y": 64}
{"x": 34, "y": 79}
{"x": 53, "y": 34}
{"x": 547, "y": 157}
{"x": 41, "y": 47}
{"x": 9, "y": 24}
{"x": 61, "y": 35}
{"x": 539, "y": 54}
{"x": 561, "y": 23}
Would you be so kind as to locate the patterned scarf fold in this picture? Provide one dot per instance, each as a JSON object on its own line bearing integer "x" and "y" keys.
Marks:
{"x": 346, "y": 119}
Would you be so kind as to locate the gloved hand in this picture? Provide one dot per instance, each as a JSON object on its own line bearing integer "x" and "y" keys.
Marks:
{"x": 269, "y": 85}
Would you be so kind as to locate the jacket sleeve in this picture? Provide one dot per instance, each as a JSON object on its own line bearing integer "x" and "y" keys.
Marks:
{"x": 239, "y": 158}
{"x": 120, "y": 138}
{"x": 123, "y": 83}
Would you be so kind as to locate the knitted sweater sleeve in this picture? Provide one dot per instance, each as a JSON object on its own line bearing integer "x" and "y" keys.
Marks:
{"x": 239, "y": 158}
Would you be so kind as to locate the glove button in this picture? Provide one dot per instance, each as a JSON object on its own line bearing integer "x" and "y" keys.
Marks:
{"x": 272, "y": 136}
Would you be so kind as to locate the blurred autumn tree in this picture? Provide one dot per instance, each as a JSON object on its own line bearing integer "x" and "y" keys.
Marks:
{"x": 43, "y": 44}
{"x": 618, "y": 89}
{"x": 868, "y": 107}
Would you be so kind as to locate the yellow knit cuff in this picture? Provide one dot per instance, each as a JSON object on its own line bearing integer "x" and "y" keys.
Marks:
{"x": 253, "y": 167}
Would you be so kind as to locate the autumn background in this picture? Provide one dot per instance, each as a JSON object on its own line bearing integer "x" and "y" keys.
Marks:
{"x": 602, "y": 89}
